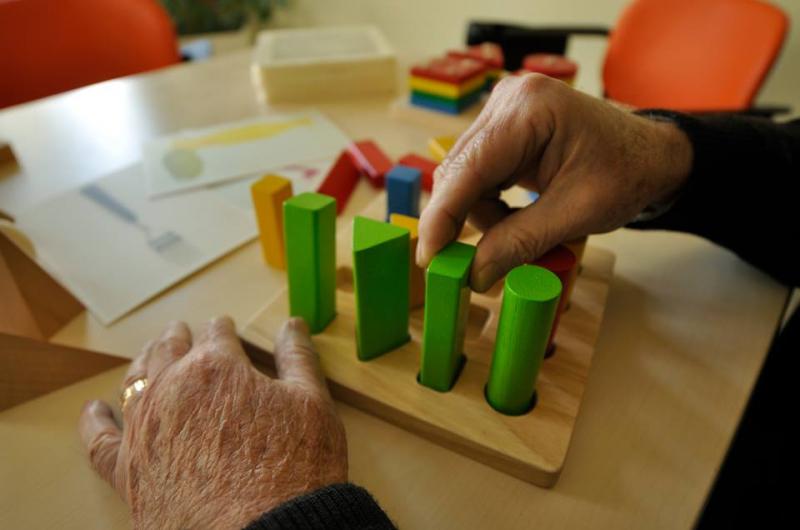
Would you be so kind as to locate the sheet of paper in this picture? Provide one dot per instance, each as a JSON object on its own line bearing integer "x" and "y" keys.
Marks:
{"x": 305, "y": 177}
{"x": 198, "y": 158}
{"x": 114, "y": 249}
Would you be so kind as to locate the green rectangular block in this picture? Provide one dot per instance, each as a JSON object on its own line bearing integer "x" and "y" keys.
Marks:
{"x": 447, "y": 296}
{"x": 309, "y": 227}
{"x": 381, "y": 278}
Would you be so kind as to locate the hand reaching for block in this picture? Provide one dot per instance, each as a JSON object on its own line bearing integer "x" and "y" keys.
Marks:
{"x": 208, "y": 441}
{"x": 595, "y": 166}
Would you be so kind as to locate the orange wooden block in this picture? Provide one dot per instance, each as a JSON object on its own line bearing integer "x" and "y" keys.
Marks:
{"x": 417, "y": 284}
{"x": 268, "y": 194}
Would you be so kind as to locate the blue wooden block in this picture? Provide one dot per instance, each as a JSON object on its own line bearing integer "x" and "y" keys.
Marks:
{"x": 402, "y": 191}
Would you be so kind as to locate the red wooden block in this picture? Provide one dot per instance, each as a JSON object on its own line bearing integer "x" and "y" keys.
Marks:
{"x": 560, "y": 261}
{"x": 371, "y": 160}
{"x": 425, "y": 165}
{"x": 340, "y": 181}
{"x": 550, "y": 64}
{"x": 489, "y": 53}
{"x": 452, "y": 70}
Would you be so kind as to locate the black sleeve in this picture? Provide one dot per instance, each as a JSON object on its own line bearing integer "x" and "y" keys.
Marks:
{"x": 743, "y": 190}
{"x": 335, "y": 507}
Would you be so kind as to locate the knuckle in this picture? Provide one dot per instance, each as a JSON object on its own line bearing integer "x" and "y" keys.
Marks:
{"x": 173, "y": 346}
{"x": 524, "y": 246}
{"x": 300, "y": 351}
{"x": 534, "y": 84}
{"x": 101, "y": 448}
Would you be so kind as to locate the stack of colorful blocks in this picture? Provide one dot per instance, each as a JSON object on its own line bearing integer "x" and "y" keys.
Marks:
{"x": 490, "y": 54}
{"x": 447, "y": 84}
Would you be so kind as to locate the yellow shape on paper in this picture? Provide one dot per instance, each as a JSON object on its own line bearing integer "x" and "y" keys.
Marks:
{"x": 238, "y": 135}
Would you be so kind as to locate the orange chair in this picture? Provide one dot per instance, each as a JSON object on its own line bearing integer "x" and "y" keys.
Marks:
{"x": 693, "y": 55}
{"x": 686, "y": 55}
{"x": 49, "y": 46}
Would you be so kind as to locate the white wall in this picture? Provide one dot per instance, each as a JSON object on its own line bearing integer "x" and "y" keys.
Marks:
{"x": 421, "y": 28}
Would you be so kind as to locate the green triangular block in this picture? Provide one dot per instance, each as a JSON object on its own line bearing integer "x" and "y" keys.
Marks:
{"x": 381, "y": 279}
{"x": 368, "y": 233}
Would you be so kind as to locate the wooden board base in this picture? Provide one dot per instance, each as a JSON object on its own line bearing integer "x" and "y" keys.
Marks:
{"x": 532, "y": 447}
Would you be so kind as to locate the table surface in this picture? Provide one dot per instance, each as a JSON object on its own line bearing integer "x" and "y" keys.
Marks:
{"x": 686, "y": 330}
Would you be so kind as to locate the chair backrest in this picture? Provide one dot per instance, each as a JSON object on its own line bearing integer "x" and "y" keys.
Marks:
{"x": 693, "y": 55}
{"x": 49, "y": 46}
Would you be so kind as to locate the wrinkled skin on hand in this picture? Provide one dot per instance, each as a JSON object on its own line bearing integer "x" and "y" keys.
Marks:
{"x": 211, "y": 442}
{"x": 595, "y": 166}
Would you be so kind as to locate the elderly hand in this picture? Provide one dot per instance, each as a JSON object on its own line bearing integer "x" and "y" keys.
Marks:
{"x": 211, "y": 442}
{"x": 595, "y": 166}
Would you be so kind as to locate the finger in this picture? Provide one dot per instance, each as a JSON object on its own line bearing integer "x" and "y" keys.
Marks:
{"x": 175, "y": 342}
{"x": 520, "y": 238}
{"x": 218, "y": 336}
{"x": 138, "y": 367}
{"x": 484, "y": 117}
{"x": 477, "y": 124}
{"x": 102, "y": 439}
{"x": 458, "y": 185}
{"x": 296, "y": 360}
{"x": 488, "y": 212}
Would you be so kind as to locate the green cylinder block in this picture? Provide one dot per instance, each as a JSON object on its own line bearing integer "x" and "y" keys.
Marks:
{"x": 530, "y": 300}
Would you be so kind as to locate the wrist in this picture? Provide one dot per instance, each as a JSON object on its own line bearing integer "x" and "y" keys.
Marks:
{"x": 670, "y": 163}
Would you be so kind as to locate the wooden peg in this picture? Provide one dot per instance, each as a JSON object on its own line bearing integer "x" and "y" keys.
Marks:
{"x": 417, "y": 274}
{"x": 425, "y": 165}
{"x": 403, "y": 190}
{"x": 340, "y": 181}
{"x": 560, "y": 261}
{"x": 440, "y": 146}
{"x": 446, "y": 311}
{"x": 309, "y": 224}
{"x": 530, "y": 300}
{"x": 268, "y": 194}
{"x": 371, "y": 160}
{"x": 380, "y": 273}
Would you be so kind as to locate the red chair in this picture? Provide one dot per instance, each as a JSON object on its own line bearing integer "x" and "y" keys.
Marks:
{"x": 686, "y": 55}
{"x": 49, "y": 46}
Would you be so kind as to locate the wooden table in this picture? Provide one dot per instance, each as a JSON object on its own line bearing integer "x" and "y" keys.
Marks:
{"x": 685, "y": 333}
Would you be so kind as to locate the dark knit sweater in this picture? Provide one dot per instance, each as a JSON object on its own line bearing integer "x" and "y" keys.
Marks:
{"x": 335, "y": 507}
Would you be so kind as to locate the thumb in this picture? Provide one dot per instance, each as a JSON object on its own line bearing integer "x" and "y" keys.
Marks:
{"x": 519, "y": 238}
{"x": 102, "y": 439}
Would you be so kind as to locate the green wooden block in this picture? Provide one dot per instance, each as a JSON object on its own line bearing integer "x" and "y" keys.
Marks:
{"x": 447, "y": 296}
{"x": 309, "y": 227}
{"x": 530, "y": 299}
{"x": 381, "y": 278}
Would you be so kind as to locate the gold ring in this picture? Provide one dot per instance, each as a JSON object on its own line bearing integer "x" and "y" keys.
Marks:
{"x": 131, "y": 390}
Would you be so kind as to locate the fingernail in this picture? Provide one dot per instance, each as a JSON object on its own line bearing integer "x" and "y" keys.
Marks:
{"x": 297, "y": 326}
{"x": 419, "y": 255}
{"x": 486, "y": 276}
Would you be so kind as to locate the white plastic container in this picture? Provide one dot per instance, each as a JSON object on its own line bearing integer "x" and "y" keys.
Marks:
{"x": 306, "y": 65}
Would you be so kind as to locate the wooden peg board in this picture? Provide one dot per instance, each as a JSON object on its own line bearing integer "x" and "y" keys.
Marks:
{"x": 532, "y": 447}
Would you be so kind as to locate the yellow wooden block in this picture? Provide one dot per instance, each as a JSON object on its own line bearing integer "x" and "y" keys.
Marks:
{"x": 268, "y": 194}
{"x": 440, "y": 88}
{"x": 417, "y": 280}
{"x": 440, "y": 145}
